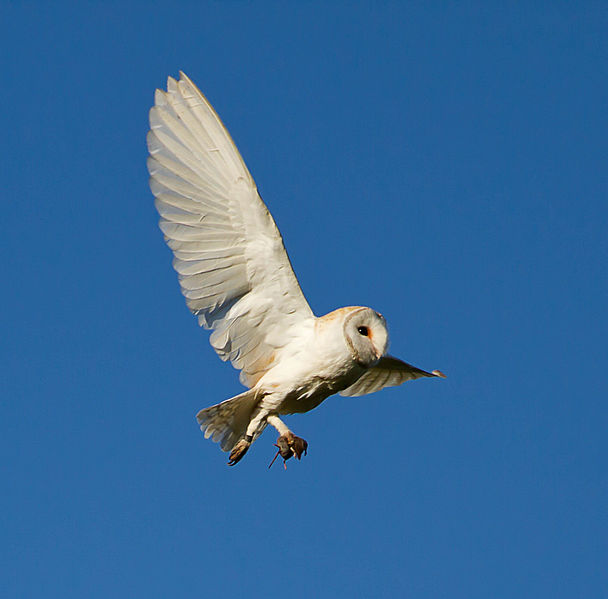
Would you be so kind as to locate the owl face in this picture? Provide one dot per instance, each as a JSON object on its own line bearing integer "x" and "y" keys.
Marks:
{"x": 366, "y": 336}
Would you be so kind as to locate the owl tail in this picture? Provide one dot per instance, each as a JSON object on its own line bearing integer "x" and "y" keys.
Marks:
{"x": 227, "y": 422}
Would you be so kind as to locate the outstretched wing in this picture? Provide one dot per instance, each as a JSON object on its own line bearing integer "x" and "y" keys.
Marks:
{"x": 389, "y": 372}
{"x": 229, "y": 255}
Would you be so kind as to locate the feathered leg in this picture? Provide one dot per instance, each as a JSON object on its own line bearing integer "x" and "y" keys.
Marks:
{"x": 254, "y": 429}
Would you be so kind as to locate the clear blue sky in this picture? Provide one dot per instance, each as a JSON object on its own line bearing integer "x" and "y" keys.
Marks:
{"x": 443, "y": 164}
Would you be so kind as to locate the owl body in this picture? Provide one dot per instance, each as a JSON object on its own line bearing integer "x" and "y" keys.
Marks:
{"x": 237, "y": 279}
{"x": 329, "y": 357}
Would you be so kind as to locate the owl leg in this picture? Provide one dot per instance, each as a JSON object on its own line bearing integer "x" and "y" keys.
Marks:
{"x": 288, "y": 444}
{"x": 254, "y": 430}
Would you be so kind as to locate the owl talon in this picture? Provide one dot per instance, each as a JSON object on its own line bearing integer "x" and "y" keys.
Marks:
{"x": 289, "y": 446}
{"x": 239, "y": 450}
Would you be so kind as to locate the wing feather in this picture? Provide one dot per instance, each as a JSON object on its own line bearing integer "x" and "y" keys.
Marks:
{"x": 389, "y": 372}
{"x": 229, "y": 255}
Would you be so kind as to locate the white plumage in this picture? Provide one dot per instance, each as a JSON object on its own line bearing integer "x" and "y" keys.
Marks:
{"x": 235, "y": 274}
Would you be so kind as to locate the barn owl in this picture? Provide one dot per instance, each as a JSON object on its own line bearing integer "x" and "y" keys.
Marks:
{"x": 237, "y": 279}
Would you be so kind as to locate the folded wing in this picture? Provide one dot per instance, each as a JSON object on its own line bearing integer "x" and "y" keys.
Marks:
{"x": 389, "y": 372}
{"x": 229, "y": 255}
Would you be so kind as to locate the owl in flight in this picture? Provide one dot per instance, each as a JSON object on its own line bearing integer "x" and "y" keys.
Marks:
{"x": 237, "y": 279}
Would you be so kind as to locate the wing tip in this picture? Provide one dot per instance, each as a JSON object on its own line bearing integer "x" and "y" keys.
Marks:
{"x": 184, "y": 78}
{"x": 438, "y": 373}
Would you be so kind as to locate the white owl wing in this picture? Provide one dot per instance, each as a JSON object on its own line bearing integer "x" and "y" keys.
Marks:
{"x": 389, "y": 372}
{"x": 229, "y": 255}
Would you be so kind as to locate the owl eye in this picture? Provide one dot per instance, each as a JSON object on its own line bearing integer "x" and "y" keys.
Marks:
{"x": 363, "y": 331}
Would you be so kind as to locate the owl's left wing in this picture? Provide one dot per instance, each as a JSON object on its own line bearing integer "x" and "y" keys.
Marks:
{"x": 232, "y": 265}
{"x": 389, "y": 372}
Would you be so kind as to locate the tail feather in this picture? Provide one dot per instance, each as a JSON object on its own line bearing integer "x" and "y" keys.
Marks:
{"x": 226, "y": 423}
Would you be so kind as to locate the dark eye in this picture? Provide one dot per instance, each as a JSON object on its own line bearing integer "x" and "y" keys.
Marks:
{"x": 363, "y": 331}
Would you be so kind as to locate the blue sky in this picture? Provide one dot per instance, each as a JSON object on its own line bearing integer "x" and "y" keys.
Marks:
{"x": 442, "y": 163}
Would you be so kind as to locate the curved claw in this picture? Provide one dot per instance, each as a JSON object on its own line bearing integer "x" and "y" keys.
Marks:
{"x": 238, "y": 451}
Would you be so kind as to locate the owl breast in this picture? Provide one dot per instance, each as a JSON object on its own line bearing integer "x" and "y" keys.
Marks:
{"x": 322, "y": 363}
{"x": 329, "y": 368}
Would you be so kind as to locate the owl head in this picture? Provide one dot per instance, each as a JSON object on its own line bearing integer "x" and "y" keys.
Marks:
{"x": 366, "y": 336}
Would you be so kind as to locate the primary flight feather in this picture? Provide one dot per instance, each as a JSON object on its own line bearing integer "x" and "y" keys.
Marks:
{"x": 236, "y": 276}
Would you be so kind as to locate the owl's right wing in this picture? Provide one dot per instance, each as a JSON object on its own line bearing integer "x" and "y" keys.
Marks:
{"x": 389, "y": 372}
{"x": 229, "y": 255}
